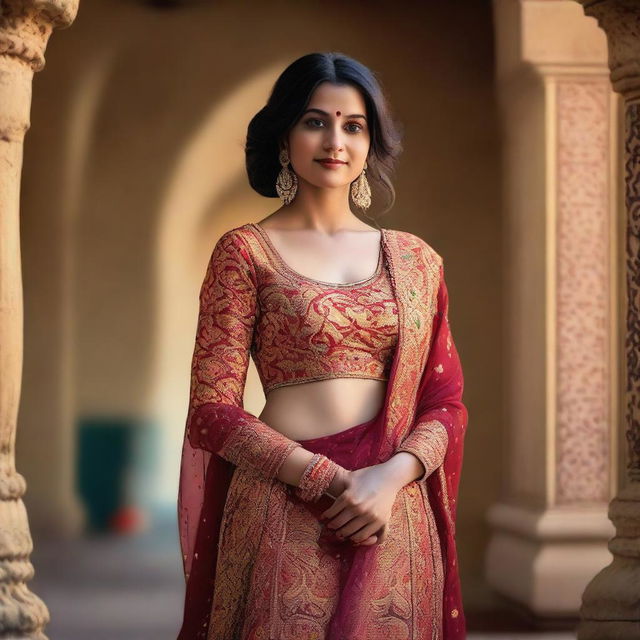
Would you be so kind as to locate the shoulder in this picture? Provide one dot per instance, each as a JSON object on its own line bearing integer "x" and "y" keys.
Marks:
{"x": 410, "y": 241}
{"x": 233, "y": 248}
{"x": 235, "y": 236}
{"x": 234, "y": 243}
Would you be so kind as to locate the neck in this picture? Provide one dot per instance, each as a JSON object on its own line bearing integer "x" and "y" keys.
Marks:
{"x": 324, "y": 210}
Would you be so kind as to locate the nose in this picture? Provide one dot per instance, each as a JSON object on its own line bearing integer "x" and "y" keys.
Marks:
{"x": 333, "y": 138}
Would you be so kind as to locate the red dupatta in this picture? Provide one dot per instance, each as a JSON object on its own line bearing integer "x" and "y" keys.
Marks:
{"x": 425, "y": 384}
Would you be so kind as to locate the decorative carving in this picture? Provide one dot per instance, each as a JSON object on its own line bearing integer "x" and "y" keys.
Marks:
{"x": 583, "y": 285}
{"x": 632, "y": 343}
{"x": 620, "y": 20}
{"x": 25, "y": 27}
{"x": 610, "y": 603}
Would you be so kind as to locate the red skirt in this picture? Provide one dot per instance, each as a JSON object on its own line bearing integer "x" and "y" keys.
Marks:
{"x": 280, "y": 573}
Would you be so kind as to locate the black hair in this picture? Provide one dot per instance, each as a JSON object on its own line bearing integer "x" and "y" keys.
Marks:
{"x": 290, "y": 97}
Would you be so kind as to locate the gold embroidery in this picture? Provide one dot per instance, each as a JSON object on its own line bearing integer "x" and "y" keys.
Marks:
{"x": 324, "y": 376}
{"x": 226, "y": 317}
{"x": 298, "y": 599}
{"x": 437, "y": 592}
{"x": 415, "y": 313}
{"x": 428, "y": 441}
{"x": 310, "y": 330}
{"x": 254, "y": 504}
{"x": 303, "y": 593}
{"x": 445, "y": 497}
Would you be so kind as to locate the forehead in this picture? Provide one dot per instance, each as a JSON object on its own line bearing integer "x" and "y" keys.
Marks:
{"x": 344, "y": 98}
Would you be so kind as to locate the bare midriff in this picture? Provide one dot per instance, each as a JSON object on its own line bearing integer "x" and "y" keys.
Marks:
{"x": 323, "y": 407}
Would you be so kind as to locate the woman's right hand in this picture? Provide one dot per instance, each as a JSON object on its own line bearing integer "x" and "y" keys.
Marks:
{"x": 339, "y": 483}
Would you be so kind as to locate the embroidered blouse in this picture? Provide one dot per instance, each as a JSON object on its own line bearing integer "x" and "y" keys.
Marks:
{"x": 297, "y": 329}
{"x": 308, "y": 329}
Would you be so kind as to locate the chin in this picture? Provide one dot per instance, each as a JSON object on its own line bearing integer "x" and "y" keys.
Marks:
{"x": 327, "y": 182}
{"x": 331, "y": 185}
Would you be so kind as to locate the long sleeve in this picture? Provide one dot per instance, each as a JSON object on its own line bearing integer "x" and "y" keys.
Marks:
{"x": 216, "y": 418}
{"x": 440, "y": 411}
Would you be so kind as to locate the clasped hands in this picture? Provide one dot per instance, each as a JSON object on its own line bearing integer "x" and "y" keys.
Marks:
{"x": 362, "y": 509}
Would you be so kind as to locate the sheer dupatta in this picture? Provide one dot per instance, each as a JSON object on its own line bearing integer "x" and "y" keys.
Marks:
{"x": 440, "y": 399}
{"x": 424, "y": 396}
{"x": 424, "y": 393}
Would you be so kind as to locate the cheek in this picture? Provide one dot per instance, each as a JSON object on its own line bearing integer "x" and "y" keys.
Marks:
{"x": 359, "y": 152}
{"x": 302, "y": 153}
{"x": 364, "y": 142}
{"x": 303, "y": 142}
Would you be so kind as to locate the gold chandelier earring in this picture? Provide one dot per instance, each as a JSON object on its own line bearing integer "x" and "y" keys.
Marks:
{"x": 360, "y": 190}
{"x": 287, "y": 182}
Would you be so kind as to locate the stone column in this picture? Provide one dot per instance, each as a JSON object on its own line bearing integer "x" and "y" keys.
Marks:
{"x": 611, "y": 602}
{"x": 549, "y": 529}
{"x": 25, "y": 28}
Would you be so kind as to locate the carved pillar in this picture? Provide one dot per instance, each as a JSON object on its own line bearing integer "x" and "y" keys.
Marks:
{"x": 549, "y": 529}
{"x": 25, "y": 28}
{"x": 611, "y": 602}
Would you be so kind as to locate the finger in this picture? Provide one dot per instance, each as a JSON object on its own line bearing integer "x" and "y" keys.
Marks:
{"x": 335, "y": 508}
{"x": 355, "y": 525}
{"x": 372, "y": 539}
{"x": 367, "y": 530}
{"x": 382, "y": 536}
{"x": 343, "y": 519}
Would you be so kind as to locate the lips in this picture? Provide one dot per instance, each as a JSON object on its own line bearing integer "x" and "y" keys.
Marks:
{"x": 330, "y": 161}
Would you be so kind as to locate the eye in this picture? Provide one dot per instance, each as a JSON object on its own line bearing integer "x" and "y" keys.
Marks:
{"x": 311, "y": 123}
{"x": 357, "y": 124}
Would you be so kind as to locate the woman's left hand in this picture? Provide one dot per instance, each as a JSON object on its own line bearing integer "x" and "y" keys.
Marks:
{"x": 364, "y": 507}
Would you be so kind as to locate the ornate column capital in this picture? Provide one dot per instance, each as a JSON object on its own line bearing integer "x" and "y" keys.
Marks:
{"x": 620, "y": 20}
{"x": 25, "y": 27}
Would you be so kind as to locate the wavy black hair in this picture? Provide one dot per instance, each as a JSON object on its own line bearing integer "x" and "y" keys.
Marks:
{"x": 290, "y": 97}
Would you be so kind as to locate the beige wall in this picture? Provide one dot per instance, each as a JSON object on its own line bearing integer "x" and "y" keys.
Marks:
{"x": 134, "y": 166}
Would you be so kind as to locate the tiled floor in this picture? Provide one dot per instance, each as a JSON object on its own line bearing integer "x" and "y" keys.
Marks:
{"x": 130, "y": 588}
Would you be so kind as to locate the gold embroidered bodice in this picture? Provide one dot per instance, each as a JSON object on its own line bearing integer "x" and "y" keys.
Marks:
{"x": 307, "y": 329}
{"x": 297, "y": 329}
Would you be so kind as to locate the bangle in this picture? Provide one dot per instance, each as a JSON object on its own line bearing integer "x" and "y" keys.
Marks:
{"x": 316, "y": 478}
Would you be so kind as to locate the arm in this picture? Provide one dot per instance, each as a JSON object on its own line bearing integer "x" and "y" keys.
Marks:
{"x": 216, "y": 418}
{"x": 440, "y": 408}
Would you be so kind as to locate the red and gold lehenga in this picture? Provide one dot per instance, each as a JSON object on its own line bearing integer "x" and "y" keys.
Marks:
{"x": 257, "y": 562}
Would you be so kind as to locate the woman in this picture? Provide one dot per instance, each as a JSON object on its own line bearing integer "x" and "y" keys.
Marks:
{"x": 346, "y": 325}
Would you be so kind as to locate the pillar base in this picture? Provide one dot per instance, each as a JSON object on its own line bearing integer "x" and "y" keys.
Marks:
{"x": 608, "y": 630}
{"x": 543, "y": 559}
{"x": 611, "y": 602}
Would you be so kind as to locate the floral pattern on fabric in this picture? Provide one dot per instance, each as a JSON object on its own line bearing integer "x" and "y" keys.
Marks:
{"x": 222, "y": 500}
{"x": 309, "y": 330}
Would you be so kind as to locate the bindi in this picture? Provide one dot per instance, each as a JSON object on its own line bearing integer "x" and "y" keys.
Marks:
{"x": 337, "y": 113}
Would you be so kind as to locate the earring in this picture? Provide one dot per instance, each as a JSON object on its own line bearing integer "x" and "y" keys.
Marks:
{"x": 287, "y": 182}
{"x": 360, "y": 190}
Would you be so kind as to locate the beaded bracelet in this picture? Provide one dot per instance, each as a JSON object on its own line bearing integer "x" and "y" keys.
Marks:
{"x": 316, "y": 478}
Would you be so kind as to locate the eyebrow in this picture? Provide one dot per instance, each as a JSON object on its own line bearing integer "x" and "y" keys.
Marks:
{"x": 324, "y": 113}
